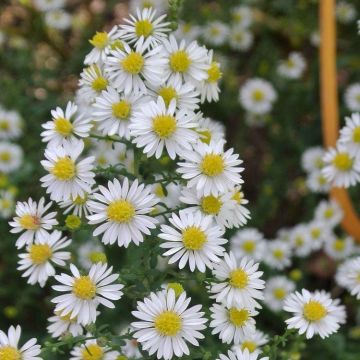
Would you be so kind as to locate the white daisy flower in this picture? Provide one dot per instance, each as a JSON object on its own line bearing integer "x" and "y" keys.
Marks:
{"x": 68, "y": 177}
{"x": 276, "y": 290}
{"x": 318, "y": 232}
{"x": 131, "y": 348}
{"x": 128, "y": 68}
{"x": 79, "y": 205}
{"x": 60, "y": 325}
{"x": 314, "y": 313}
{"x": 38, "y": 261}
{"x": 11, "y": 157}
{"x": 241, "y": 214}
{"x": 145, "y": 25}
{"x": 316, "y": 182}
{"x": 94, "y": 80}
{"x": 121, "y": 210}
{"x": 58, "y": 19}
{"x": 169, "y": 197}
{"x": 30, "y": 216}
{"x": 248, "y": 243}
{"x": 102, "y": 45}
{"x": 209, "y": 87}
{"x": 47, "y": 5}
{"x": 91, "y": 351}
{"x": 219, "y": 207}
{"x": 242, "y": 16}
{"x": 240, "y": 38}
{"x": 278, "y": 254}
{"x": 341, "y": 168}
{"x": 159, "y": 5}
{"x": 65, "y": 125}
{"x": 167, "y": 324}
{"x": 293, "y": 67}
{"x": 83, "y": 293}
{"x": 104, "y": 153}
{"x": 240, "y": 283}
{"x": 348, "y": 276}
{"x": 193, "y": 239}
{"x": 339, "y": 248}
{"x": 187, "y": 31}
{"x": 9, "y": 346}
{"x": 300, "y": 240}
{"x": 252, "y": 342}
{"x": 232, "y": 323}
{"x": 184, "y": 94}
{"x": 257, "y": 96}
{"x": 7, "y": 204}
{"x": 350, "y": 134}
{"x": 329, "y": 212}
{"x": 210, "y": 169}
{"x": 215, "y": 33}
{"x": 352, "y": 97}
{"x": 156, "y": 127}
{"x": 312, "y": 159}
{"x": 91, "y": 252}
{"x": 11, "y": 125}
{"x": 345, "y": 12}
{"x": 210, "y": 130}
{"x": 315, "y": 38}
{"x": 185, "y": 62}
{"x": 239, "y": 354}
{"x": 113, "y": 112}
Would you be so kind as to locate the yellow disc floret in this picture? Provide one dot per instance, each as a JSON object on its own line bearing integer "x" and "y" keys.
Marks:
{"x": 92, "y": 352}
{"x": 164, "y": 125}
{"x": 30, "y": 222}
{"x": 238, "y": 278}
{"x": 356, "y": 135}
{"x": 63, "y": 126}
{"x": 121, "y": 211}
{"x": 238, "y": 317}
{"x": 177, "y": 287}
{"x": 314, "y": 311}
{"x": 133, "y": 63}
{"x": 168, "y": 323}
{"x": 97, "y": 257}
{"x": 258, "y": 95}
{"x": 279, "y": 293}
{"x": 84, "y": 288}
{"x": 121, "y": 109}
{"x": 168, "y": 93}
{"x": 99, "y": 84}
{"x": 193, "y": 238}
{"x": 248, "y": 246}
{"x": 343, "y": 161}
{"x": 40, "y": 253}
{"x": 214, "y": 73}
{"x": 211, "y": 205}
{"x": 9, "y": 353}
{"x": 250, "y": 345}
{"x": 99, "y": 40}
{"x": 339, "y": 245}
{"x": 180, "y": 61}
{"x": 143, "y": 28}
{"x": 64, "y": 169}
{"x": 212, "y": 165}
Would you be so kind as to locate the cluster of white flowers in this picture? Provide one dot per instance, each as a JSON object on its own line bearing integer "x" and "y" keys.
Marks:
{"x": 345, "y": 12}
{"x": 54, "y": 14}
{"x": 293, "y": 67}
{"x": 11, "y": 158}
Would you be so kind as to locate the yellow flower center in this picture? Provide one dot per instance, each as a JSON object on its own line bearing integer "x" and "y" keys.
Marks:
{"x": 99, "y": 84}
{"x": 239, "y": 278}
{"x": 92, "y": 352}
{"x": 321, "y": 180}
{"x": 147, "y": 4}
{"x": 299, "y": 241}
{"x": 73, "y": 222}
{"x": 211, "y": 205}
{"x": 178, "y": 289}
{"x": 250, "y": 345}
{"x": 258, "y": 95}
{"x": 64, "y": 169}
{"x": 159, "y": 191}
{"x": 238, "y": 196}
{"x": 193, "y": 238}
{"x": 238, "y": 317}
{"x": 180, "y": 61}
{"x": 168, "y": 323}
{"x": 99, "y": 40}
{"x": 121, "y": 109}
{"x": 63, "y": 126}
{"x": 117, "y": 44}
{"x": 5, "y": 156}
{"x": 205, "y": 136}
{"x": 319, "y": 163}
{"x": 84, "y": 288}
{"x": 9, "y": 353}
{"x": 66, "y": 317}
{"x": 143, "y": 28}
{"x": 279, "y": 293}
{"x": 168, "y": 93}
{"x": 339, "y": 245}
{"x": 97, "y": 257}
{"x": 278, "y": 254}
{"x": 40, "y": 253}
{"x": 164, "y": 126}
{"x": 4, "y": 125}
{"x": 314, "y": 311}
{"x": 30, "y": 222}
{"x": 356, "y": 135}
{"x": 214, "y": 73}
{"x": 329, "y": 213}
{"x": 80, "y": 200}
{"x": 249, "y": 246}
{"x": 315, "y": 233}
{"x": 212, "y": 165}
{"x": 342, "y": 161}
{"x": 121, "y": 211}
{"x": 133, "y": 63}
